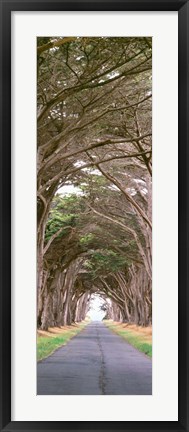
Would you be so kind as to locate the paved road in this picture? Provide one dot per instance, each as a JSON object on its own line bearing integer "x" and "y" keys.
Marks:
{"x": 95, "y": 362}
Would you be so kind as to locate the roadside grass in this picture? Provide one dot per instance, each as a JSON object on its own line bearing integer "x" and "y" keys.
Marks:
{"x": 139, "y": 337}
{"x": 55, "y": 337}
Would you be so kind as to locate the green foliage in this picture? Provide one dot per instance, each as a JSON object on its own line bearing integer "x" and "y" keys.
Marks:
{"x": 105, "y": 261}
{"x": 96, "y": 184}
{"x": 64, "y": 213}
{"x": 86, "y": 239}
{"x": 106, "y": 253}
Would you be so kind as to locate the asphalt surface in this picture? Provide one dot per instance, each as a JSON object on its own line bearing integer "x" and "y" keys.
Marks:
{"x": 95, "y": 362}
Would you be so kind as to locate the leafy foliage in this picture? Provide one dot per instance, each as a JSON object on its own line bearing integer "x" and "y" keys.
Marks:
{"x": 105, "y": 261}
{"x": 94, "y": 133}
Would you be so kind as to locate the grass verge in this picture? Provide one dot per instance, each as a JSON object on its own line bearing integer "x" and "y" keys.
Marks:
{"x": 139, "y": 337}
{"x": 55, "y": 337}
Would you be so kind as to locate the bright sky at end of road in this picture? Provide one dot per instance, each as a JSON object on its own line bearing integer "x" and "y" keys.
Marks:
{"x": 95, "y": 314}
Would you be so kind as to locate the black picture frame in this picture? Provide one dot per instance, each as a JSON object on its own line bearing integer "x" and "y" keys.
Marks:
{"x": 182, "y": 6}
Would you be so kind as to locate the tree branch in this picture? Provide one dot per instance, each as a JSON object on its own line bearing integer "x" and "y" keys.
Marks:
{"x": 54, "y": 44}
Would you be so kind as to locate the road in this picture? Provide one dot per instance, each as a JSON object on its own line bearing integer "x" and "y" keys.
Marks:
{"x": 95, "y": 362}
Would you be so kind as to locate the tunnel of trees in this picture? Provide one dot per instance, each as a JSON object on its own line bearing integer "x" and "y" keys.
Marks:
{"x": 94, "y": 134}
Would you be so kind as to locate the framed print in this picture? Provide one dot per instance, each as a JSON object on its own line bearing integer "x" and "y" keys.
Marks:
{"x": 94, "y": 247}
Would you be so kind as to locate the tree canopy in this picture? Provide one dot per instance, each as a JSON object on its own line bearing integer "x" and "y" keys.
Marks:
{"x": 94, "y": 134}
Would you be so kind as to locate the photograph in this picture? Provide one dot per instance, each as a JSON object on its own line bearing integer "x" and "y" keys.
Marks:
{"x": 94, "y": 215}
